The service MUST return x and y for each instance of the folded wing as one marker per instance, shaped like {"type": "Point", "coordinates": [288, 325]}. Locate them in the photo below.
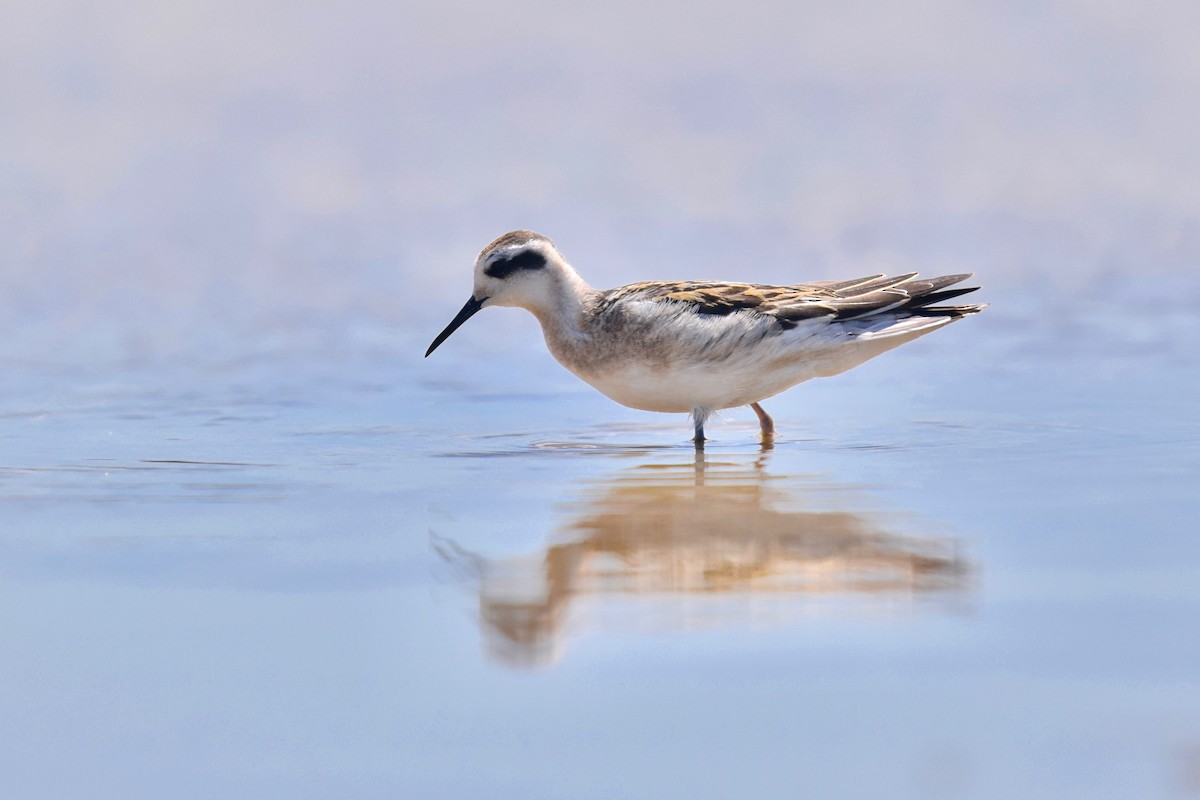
{"type": "Point", "coordinates": [898, 297]}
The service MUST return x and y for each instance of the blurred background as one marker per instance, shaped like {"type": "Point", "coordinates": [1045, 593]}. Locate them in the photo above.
{"type": "Point", "coordinates": [253, 545]}
{"type": "Point", "coordinates": [188, 178]}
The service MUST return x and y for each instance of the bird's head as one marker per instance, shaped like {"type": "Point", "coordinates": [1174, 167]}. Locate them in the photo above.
{"type": "Point", "coordinates": [521, 268]}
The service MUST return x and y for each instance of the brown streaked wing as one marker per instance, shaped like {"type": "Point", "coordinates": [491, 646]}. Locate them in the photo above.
{"type": "Point", "coordinates": [790, 304]}
{"type": "Point", "coordinates": [720, 298]}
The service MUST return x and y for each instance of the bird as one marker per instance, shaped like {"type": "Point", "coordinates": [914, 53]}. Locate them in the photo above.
{"type": "Point", "coordinates": [699, 346]}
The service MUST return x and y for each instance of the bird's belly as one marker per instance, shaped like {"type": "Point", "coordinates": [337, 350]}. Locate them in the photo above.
{"type": "Point", "coordinates": [675, 388]}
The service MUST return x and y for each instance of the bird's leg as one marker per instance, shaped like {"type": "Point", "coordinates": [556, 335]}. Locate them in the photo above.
{"type": "Point", "coordinates": [699, 415]}
{"type": "Point", "coordinates": [765, 422]}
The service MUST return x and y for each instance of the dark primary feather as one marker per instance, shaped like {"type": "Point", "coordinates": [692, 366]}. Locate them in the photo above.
{"type": "Point", "coordinates": [789, 305]}
{"type": "Point", "coordinates": [836, 285]}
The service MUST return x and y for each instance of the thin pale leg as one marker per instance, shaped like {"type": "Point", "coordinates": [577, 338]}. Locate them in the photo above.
{"type": "Point", "coordinates": [765, 422]}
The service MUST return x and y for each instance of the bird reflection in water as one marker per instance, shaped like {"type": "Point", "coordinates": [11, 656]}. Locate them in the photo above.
{"type": "Point", "coordinates": [702, 529]}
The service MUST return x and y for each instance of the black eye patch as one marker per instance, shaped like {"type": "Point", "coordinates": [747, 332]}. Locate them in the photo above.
{"type": "Point", "coordinates": [526, 259]}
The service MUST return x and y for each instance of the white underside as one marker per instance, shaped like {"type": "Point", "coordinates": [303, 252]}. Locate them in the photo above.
{"type": "Point", "coordinates": [815, 349]}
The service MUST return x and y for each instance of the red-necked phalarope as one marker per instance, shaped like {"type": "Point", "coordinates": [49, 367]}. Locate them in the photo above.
{"type": "Point", "coordinates": [700, 346]}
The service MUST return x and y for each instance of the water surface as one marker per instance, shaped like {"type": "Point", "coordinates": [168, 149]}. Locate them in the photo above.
{"type": "Point", "coordinates": [963, 570]}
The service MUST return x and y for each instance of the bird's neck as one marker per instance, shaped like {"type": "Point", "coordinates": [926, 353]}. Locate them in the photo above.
{"type": "Point", "coordinates": [563, 312]}
{"type": "Point", "coordinates": [564, 301]}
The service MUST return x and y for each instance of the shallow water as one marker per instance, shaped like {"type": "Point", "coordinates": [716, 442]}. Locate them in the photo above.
{"type": "Point", "coordinates": [965, 569]}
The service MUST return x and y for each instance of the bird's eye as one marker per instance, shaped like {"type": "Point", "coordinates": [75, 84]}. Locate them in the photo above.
{"type": "Point", "coordinates": [526, 259]}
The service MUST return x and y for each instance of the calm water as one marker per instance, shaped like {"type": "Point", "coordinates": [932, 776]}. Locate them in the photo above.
{"type": "Point", "coordinates": [252, 545]}
{"type": "Point", "coordinates": [967, 569]}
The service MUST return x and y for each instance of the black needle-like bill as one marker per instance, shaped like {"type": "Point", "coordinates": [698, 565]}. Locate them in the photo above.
{"type": "Point", "coordinates": [468, 311]}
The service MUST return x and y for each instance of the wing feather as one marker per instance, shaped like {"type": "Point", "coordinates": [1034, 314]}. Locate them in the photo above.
{"type": "Point", "coordinates": [790, 305]}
